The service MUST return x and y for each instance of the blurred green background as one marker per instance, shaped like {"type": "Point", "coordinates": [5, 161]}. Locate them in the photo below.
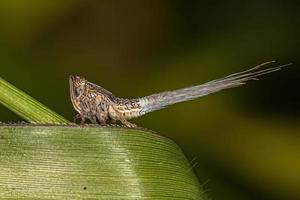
{"type": "Point", "coordinates": [244, 143]}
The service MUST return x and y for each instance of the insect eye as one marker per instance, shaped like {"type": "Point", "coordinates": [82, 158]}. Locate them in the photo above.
{"type": "Point", "coordinates": [79, 91]}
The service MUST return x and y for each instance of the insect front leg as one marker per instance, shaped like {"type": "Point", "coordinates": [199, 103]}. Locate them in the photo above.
{"type": "Point", "coordinates": [82, 118]}
{"type": "Point", "coordinates": [93, 119]}
{"type": "Point", "coordinates": [79, 117]}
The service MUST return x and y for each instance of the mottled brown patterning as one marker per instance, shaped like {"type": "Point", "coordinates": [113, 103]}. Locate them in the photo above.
{"type": "Point", "coordinates": [100, 106]}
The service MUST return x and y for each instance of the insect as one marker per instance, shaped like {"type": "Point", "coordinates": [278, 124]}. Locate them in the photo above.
{"type": "Point", "coordinates": [100, 106]}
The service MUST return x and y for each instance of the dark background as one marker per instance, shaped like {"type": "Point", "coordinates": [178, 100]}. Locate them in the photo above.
{"type": "Point", "coordinates": [244, 143]}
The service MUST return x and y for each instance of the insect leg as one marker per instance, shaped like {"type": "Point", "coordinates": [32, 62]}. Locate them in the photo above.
{"type": "Point", "coordinates": [127, 123]}
{"type": "Point", "coordinates": [81, 117]}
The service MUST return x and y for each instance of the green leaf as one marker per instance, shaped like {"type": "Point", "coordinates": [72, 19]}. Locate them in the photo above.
{"type": "Point", "coordinates": [27, 107]}
{"type": "Point", "coordinates": [65, 162]}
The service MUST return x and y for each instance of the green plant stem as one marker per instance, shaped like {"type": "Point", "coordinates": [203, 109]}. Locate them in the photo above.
{"type": "Point", "coordinates": [26, 107]}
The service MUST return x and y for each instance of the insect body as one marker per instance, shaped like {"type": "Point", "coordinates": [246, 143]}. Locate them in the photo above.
{"type": "Point", "coordinates": [100, 106]}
